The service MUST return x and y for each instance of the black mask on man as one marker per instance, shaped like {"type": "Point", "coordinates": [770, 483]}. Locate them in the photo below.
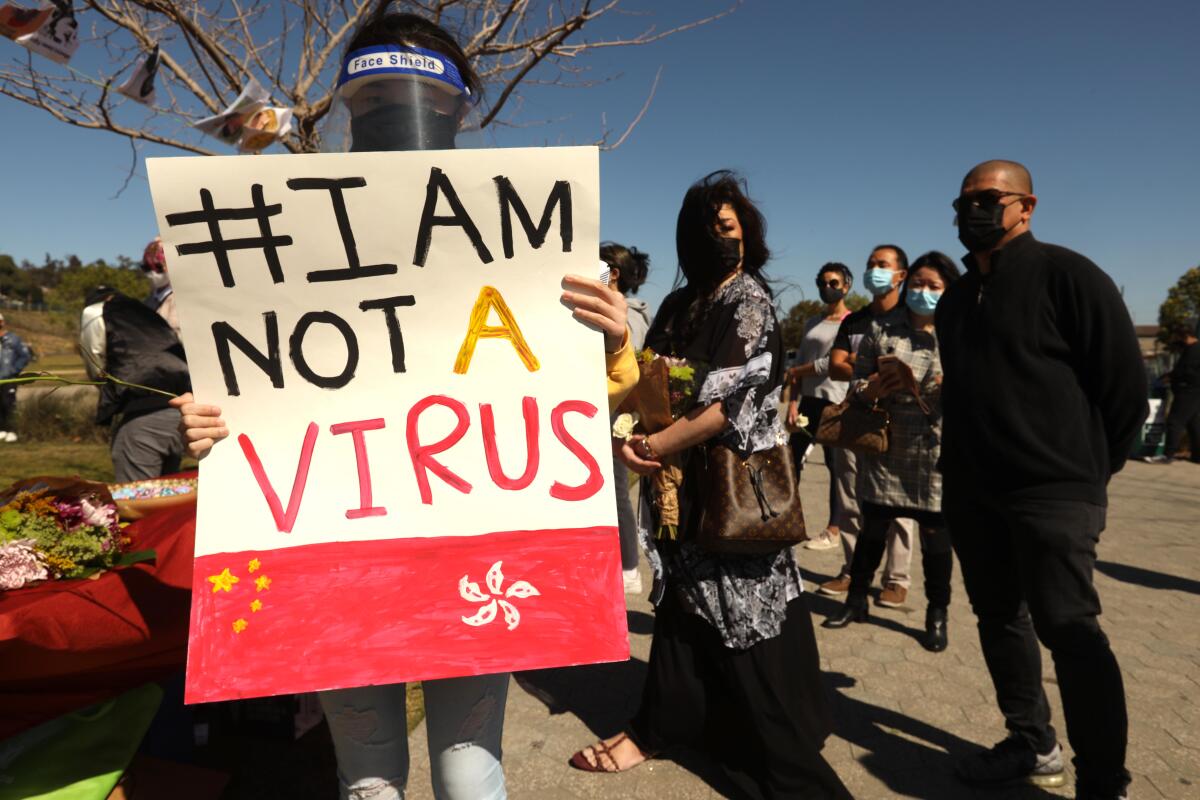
{"type": "Point", "coordinates": [829, 295]}
{"type": "Point", "coordinates": [979, 229]}
{"type": "Point", "coordinates": [401, 127]}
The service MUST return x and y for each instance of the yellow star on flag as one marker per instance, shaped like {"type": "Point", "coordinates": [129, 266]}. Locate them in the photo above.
{"type": "Point", "coordinates": [254, 565]}
{"type": "Point", "coordinates": [239, 625]}
{"type": "Point", "coordinates": [256, 606]}
{"type": "Point", "coordinates": [224, 581]}
{"type": "Point", "coordinates": [261, 582]}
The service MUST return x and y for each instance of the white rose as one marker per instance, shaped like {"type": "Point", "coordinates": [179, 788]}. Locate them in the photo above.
{"type": "Point", "coordinates": [623, 426]}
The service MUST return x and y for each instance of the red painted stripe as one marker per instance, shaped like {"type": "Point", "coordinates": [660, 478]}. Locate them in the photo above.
{"type": "Point", "coordinates": [358, 613]}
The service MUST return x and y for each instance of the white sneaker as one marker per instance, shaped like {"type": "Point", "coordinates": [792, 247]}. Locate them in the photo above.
{"type": "Point", "coordinates": [827, 540]}
{"type": "Point", "coordinates": [8, 436]}
{"type": "Point", "coordinates": [633, 581]}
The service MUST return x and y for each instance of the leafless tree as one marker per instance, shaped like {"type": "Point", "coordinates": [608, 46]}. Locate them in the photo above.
{"type": "Point", "coordinates": [211, 49]}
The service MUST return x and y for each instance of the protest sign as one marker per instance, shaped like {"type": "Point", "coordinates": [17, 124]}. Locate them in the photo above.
{"type": "Point", "coordinates": [417, 483]}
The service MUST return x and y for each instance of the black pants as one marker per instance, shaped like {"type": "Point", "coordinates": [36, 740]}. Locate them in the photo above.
{"type": "Point", "coordinates": [1027, 565]}
{"type": "Point", "coordinates": [760, 712]}
{"type": "Point", "coordinates": [8, 408]}
{"type": "Point", "coordinates": [1185, 413]}
{"type": "Point", "coordinates": [835, 503]}
{"type": "Point", "coordinates": [937, 556]}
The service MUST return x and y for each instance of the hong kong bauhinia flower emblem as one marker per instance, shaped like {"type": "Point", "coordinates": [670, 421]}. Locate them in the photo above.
{"type": "Point", "coordinates": [495, 600]}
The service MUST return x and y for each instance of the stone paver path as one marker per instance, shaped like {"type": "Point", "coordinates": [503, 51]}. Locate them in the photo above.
{"type": "Point", "coordinates": [903, 714]}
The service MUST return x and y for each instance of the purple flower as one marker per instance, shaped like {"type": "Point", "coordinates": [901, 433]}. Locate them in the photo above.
{"type": "Point", "coordinates": [19, 564]}
{"type": "Point", "coordinates": [103, 515]}
{"type": "Point", "coordinates": [70, 514]}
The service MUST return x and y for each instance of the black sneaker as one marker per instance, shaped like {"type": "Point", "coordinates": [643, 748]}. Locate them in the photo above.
{"type": "Point", "coordinates": [1013, 761]}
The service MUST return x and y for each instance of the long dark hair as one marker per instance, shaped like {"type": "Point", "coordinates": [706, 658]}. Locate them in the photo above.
{"type": "Point", "coordinates": [383, 26]}
{"type": "Point", "coordinates": [939, 262]}
{"type": "Point", "coordinates": [696, 238]}
{"type": "Point", "coordinates": [633, 264]}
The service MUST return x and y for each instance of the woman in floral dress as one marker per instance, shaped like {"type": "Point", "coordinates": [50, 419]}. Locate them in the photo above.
{"type": "Point", "coordinates": [733, 667]}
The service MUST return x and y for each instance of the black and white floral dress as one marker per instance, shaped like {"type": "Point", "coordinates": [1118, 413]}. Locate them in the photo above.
{"type": "Point", "coordinates": [734, 336]}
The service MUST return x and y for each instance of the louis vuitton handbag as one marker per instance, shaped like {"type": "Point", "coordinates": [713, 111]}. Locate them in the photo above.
{"type": "Point", "coordinates": [749, 505]}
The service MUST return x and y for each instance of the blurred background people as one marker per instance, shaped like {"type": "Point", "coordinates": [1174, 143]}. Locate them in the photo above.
{"type": "Point", "coordinates": [627, 270]}
{"type": "Point", "coordinates": [810, 379]}
{"type": "Point", "coordinates": [14, 356]}
{"type": "Point", "coordinates": [127, 340]}
{"type": "Point", "coordinates": [904, 481]}
{"type": "Point", "coordinates": [1184, 414]}
{"type": "Point", "coordinates": [161, 299]}
{"type": "Point", "coordinates": [887, 267]}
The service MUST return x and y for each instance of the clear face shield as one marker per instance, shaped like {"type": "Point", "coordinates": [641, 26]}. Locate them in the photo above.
{"type": "Point", "coordinates": [393, 97]}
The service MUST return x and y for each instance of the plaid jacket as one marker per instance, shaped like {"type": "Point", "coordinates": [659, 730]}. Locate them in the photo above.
{"type": "Point", "coordinates": [906, 476]}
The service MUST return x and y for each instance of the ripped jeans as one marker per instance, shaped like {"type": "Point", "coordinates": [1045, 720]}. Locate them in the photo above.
{"type": "Point", "coordinates": [464, 720]}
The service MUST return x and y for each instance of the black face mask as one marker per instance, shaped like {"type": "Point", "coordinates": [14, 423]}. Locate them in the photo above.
{"type": "Point", "coordinates": [979, 229]}
{"type": "Point", "coordinates": [400, 127]}
{"type": "Point", "coordinates": [728, 254]}
{"type": "Point", "coordinates": [829, 295]}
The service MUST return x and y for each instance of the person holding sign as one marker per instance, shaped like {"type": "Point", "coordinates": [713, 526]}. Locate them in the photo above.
{"type": "Point", "coordinates": [898, 364]}
{"type": "Point", "coordinates": [406, 85]}
{"type": "Point", "coordinates": [734, 661]}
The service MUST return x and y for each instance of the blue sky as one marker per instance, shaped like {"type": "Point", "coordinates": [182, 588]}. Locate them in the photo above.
{"type": "Point", "coordinates": [853, 120]}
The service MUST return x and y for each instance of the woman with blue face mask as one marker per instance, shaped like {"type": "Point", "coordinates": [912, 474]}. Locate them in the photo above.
{"type": "Point", "coordinates": [405, 84]}
{"type": "Point", "coordinates": [898, 369]}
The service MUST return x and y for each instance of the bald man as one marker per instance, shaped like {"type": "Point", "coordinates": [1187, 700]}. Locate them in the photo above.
{"type": "Point", "coordinates": [1043, 395]}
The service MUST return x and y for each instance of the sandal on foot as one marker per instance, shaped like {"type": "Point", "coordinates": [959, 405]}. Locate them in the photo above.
{"type": "Point", "coordinates": [601, 751]}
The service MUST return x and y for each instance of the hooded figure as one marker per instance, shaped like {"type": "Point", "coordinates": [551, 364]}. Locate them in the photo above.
{"type": "Point", "coordinates": [127, 340]}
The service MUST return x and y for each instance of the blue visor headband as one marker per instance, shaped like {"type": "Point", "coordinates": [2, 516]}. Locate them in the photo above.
{"type": "Point", "coordinates": [388, 60]}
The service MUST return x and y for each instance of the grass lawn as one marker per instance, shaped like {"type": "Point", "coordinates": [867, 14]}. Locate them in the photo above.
{"type": "Point", "coordinates": [27, 459]}
{"type": "Point", "coordinates": [86, 459]}
{"type": "Point", "coordinates": [68, 365]}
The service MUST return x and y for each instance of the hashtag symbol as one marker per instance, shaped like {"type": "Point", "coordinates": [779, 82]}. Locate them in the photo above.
{"type": "Point", "coordinates": [219, 246]}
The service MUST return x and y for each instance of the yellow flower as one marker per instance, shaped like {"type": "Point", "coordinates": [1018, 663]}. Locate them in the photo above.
{"type": "Point", "coordinates": [224, 581]}
{"type": "Point", "coordinates": [240, 625]}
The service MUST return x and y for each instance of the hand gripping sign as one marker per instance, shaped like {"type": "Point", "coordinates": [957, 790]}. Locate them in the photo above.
{"type": "Point", "coordinates": [417, 482]}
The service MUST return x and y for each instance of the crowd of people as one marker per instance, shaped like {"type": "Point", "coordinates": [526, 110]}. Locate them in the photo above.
{"type": "Point", "coordinates": [978, 464]}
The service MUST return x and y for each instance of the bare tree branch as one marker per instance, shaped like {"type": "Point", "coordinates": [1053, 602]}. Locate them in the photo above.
{"type": "Point", "coordinates": [634, 122]}
{"type": "Point", "coordinates": [210, 49]}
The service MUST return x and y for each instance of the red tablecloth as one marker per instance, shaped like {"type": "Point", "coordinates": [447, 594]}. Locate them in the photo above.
{"type": "Point", "coordinates": [65, 645]}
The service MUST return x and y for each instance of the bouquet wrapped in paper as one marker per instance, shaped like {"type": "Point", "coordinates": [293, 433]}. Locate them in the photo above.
{"type": "Point", "coordinates": [59, 528]}
{"type": "Point", "coordinates": [665, 391]}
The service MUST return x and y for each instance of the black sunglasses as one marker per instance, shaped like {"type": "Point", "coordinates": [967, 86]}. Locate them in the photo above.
{"type": "Point", "coordinates": [832, 284]}
{"type": "Point", "coordinates": [987, 199]}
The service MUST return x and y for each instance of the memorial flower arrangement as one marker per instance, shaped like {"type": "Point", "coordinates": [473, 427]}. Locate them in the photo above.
{"type": "Point", "coordinates": [54, 528]}
{"type": "Point", "coordinates": [666, 391]}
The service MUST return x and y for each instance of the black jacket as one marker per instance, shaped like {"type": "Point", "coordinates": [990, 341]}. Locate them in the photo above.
{"type": "Point", "coordinates": [1044, 389]}
{"type": "Point", "coordinates": [1185, 377]}
{"type": "Point", "coordinates": [140, 348]}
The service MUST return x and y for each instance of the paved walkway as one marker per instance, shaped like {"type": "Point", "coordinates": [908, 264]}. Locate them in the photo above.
{"type": "Point", "coordinates": [904, 714]}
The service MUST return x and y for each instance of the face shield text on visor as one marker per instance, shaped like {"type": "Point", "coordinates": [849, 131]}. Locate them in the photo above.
{"type": "Point", "coordinates": [391, 97]}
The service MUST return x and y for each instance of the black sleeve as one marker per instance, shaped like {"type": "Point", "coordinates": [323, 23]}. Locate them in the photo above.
{"type": "Point", "coordinates": [841, 341]}
{"type": "Point", "coordinates": [1096, 324]}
